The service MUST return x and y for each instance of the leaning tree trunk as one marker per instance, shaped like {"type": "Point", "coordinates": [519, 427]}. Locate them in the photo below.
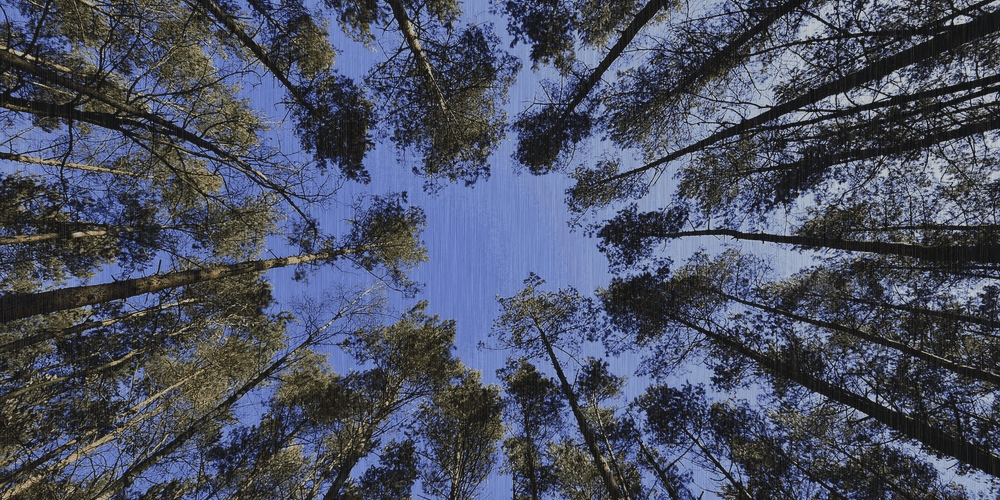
{"type": "Point", "coordinates": [581, 420]}
{"type": "Point", "coordinates": [137, 469]}
{"type": "Point", "coordinates": [36, 473]}
{"type": "Point", "coordinates": [82, 327]}
{"type": "Point", "coordinates": [417, 51]}
{"type": "Point", "coordinates": [641, 19]}
{"type": "Point", "coordinates": [953, 255]}
{"type": "Point", "coordinates": [19, 306]}
{"type": "Point", "coordinates": [915, 429]}
{"type": "Point", "coordinates": [233, 26]}
{"type": "Point", "coordinates": [943, 363]}
{"type": "Point", "coordinates": [935, 313]}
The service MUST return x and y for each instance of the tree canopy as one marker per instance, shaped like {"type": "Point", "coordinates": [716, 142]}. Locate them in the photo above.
{"type": "Point", "coordinates": [798, 201]}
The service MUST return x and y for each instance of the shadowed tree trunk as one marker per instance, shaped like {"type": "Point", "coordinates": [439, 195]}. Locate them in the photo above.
{"type": "Point", "coordinates": [588, 434]}
{"type": "Point", "coordinates": [910, 427]}
{"type": "Point", "coordinates": [19, 306]}
{"type": "Point", "coordinates": [946, 254]}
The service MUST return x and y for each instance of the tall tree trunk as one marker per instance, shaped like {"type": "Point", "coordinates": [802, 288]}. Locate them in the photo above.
{"type": "Point", "coordinates": [532, 466]}
{"type": "Point", "coordinates": [946, 364]}
{"type": "Point", "coordinates": [58, 163]}
{"type": "Point", "coordinates": [84, 373]}
{"type": "Point", "coordinates": [742, 490]}
{"type": "Point", "coordinates": [732, 51]}
{"type": "Point", "coordinates": [18, 306]}
{"type": "Point", "coordinates": [643, 17]}
{"type": "Point", "coordinates": [934, 313]}
{"type": "Point", "coordinates": [233, 26]}
{"type": "Point", "coordinates": [409, 33]}
{"type": "Point", "coordinates": [588, 436]}
{"type": "Point", "coordinates": [122, 121]}
{"type": "Point", "coordinates": [345, 468]}
{"type": "Point", "coordinates": [36, 474]}
{"type": "Point", "coordinates": [660, 473]}
{"type": "Point", "coordinates": [37, 238]}
{"type": "Point", "coordinates": [915, 429]}
{"type": "Point", "coordinates": [950, 254]}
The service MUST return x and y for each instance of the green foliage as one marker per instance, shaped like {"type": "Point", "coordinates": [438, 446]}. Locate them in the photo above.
{"type": "Point", "coordinates": [625, 239]}
{"type": "Point", "coordinates": [393, 478]}
{"type": "Point", "coordinates": [547, 25]}
{"type": "Point", "coordinates": [334, 122]}
{"type": "Point", "coordinates": [30, 206]}
{"type": "Point", "coordinates": [386, 233]}
{"type": "Point", "coordinates": [454, 124]}
{"type": "Point", "coordinates": [553, 28]}
{"type": "Point", "coordinates": [460, 428]}
{"type": "Point", "coordinates": [565, 317]}
{"type": "Point", "coordinates": [532, 408]}
{"type": "Point", "coordinates": [545, 137]}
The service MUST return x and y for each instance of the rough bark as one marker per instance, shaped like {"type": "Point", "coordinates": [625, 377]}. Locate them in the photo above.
{"type": "Point", "coordinates": [588, 436]}
{"type": "Point", "coordinates": [19, 306]}
{"type": "Point", "coordinates": [918, 430]}
{"type": "Point", "coordinates": [951, 255]}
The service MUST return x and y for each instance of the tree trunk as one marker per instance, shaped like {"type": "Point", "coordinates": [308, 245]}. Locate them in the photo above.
{"type": "Point", "coordinates": [660, 473]}
{"type": "Point", "coordinates": [234, 28]}
{"type": "Point", "coordinates": [727, 56]}
{"type": "Point", "coordinates": [952, 316]}
{"type": "Point", "coordinates": [82, 327]}
{"type": "Point", "coordinates": [137, 469]}
{"type": "Point", "coordinates": [946, 364]}
{"type": "Point", "coordinates": [345, 468]}
{"type": "Point", "coordinates": [59, 163]}
{"type": "Point", "coordinates": [588, 436]}
{"type": "Point", "coordinates": [84, 373]}
{"type": "Point", "coordinates": [36, 475]}
{"type": "Point", "coordinates": [55, 75]}
{"type": "Point", "coordinates": [951, 255]}
{"type": "Point", "coordinates": [643, 17]}
{"type": "Point", "coordinates": [744, 494]}
{"type": "Point", "coordinates": [912, 428]}
{"type": "Point", "coordinates": [532, 467]}
{"type": "Point", "coordinates": [19, 306]}
{"type": "Point", "coordinates": [409, 33]}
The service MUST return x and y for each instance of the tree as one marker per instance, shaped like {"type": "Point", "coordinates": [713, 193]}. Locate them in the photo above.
{"type": "Point", "coordinates": [442, 90]}
{"type": "Point", "coordinates": [386, 235]}
{"type": "Point", "coordinates": [460, 429]}
{"type": "Point", "coordinates": [534, 322]}
{"type": "Point", "coordinates": [96, 405]}
{"type": "Point", "coordinates": [798, 450]}
{"type": "Point", "coordinates": [646, 307]}
{"type": "Point", "coordinates": [394, 479]}
{"type": "Point", "coordinates": [545, 134]}
{"type": "Point", "coordinates": [532, 406]}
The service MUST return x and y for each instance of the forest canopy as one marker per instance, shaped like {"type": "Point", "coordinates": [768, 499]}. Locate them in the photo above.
{"type": "Point", "coordinates": [832, 336]}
